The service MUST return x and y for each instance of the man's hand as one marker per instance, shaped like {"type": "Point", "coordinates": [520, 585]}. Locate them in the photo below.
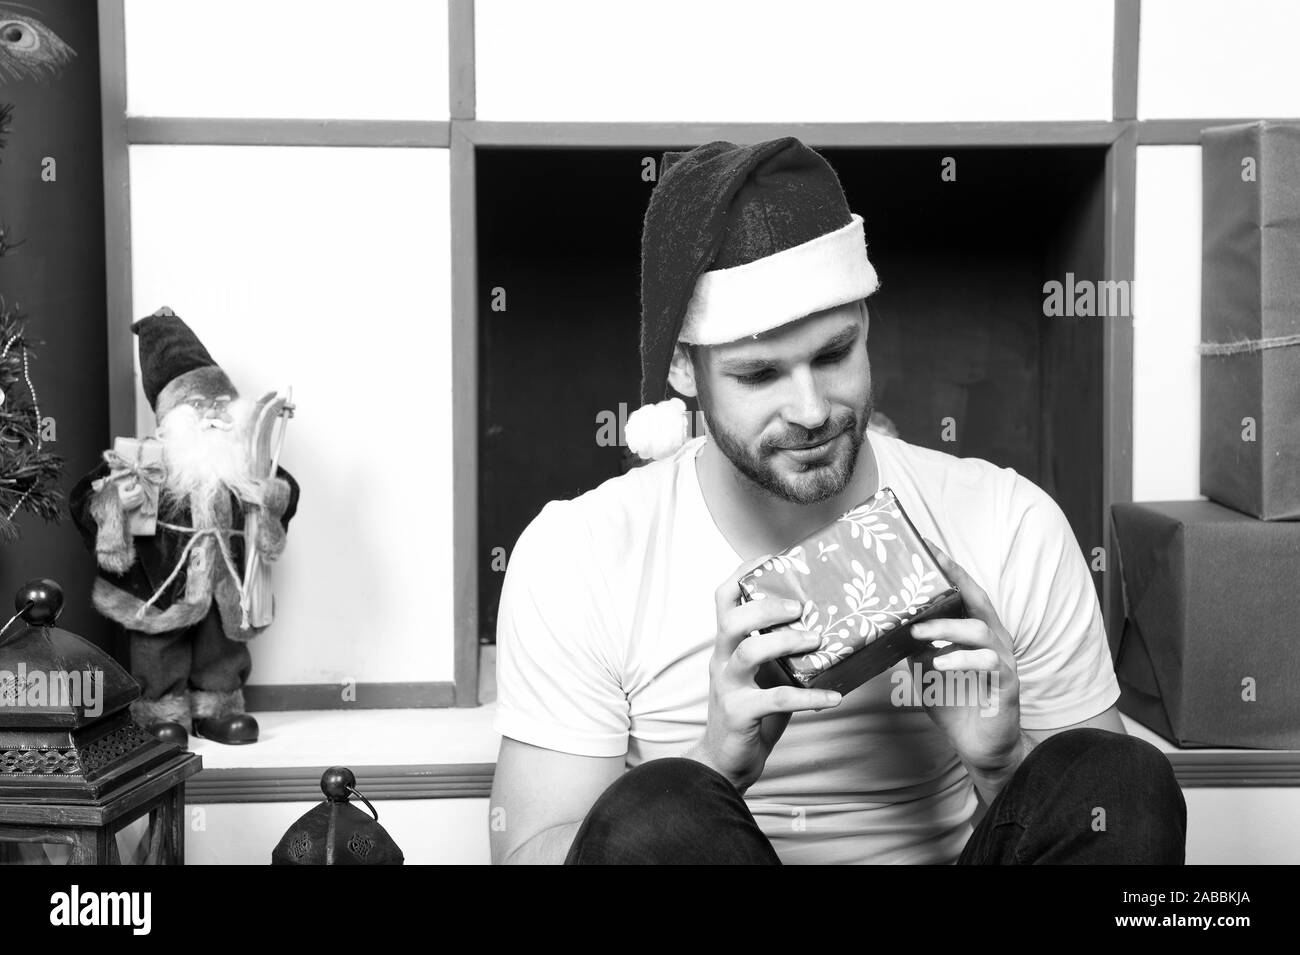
{"type": "Point", "coordinates": [745, 721]}
{"type": "Point", "coordinates": [985, 729]}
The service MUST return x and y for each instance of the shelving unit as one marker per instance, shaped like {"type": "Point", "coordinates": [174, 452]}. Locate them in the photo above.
{"type": "Point", "coordinates": [1083, 218]}
{"type": "Point", "coordinates": [1038, 199]}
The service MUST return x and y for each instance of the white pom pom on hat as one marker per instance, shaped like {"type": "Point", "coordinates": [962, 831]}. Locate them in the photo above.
{"type": "Point", "coordinates": [657, 430]}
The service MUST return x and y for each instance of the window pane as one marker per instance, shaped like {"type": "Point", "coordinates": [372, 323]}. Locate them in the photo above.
{"type": "Point", "coordinates": [317, 59]}
{"type": "Point", "coordinates": [1207, 58]}
{"type": "Point", "coordinates": [328, 270]}
{"type": "Point", "coordinates": [1167, 325]}
{"type": "Point", "coordinates": [818, 60]}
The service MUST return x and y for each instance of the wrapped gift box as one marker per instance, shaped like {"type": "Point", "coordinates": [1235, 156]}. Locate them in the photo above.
{"type": "Point", "coordinates": [1250, 292]}
{"type": "Point", "coordinates": [863, 581]}
{"type": "Point", "coordinates": [137, 488]}
{"type": "Point", "coordinates": [1209, 654]}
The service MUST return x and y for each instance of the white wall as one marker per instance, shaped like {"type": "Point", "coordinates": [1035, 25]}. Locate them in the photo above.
{"type": "Point", "coordinates": [1250, 825]}
{"type": "Point", "coordinates": [818, 60]}
{"type": "Point", "coordinates": [329, 270]}
{"type": "Point", "coordinates": [1167, 324]}
{"type": "Point", "coordinates": [306, 59]}
{"type": "Point", "coordinates": [428, 831]}
{"type": "Point", "coordinates": [1236, 826]}
{"type": "Point", "coordinates": [1219, 58]}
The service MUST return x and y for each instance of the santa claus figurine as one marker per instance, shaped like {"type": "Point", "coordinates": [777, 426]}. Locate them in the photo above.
{"type": "Point", "coordinates": [177, 583]}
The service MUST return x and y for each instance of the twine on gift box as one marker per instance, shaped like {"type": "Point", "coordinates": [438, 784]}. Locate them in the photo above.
{"type": "Point", "coordinates": [133, 474]}
{"type": "Point", "coordinates": [1249, 346]}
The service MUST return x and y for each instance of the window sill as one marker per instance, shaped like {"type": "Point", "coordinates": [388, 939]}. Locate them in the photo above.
{"type": "Point", "coordinates": [1224, 767]}
{"type": "Point", "coordinates": [396, 754]}
{"type": "Point", "coordinates": [451, 754]}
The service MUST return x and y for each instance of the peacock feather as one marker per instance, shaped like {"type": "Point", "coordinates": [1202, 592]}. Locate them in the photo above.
{"type": "Point", "coordinates": [28, 48]}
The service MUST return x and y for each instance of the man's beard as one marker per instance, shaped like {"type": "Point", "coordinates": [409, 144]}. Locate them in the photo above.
{"type": "Point", "coordinates": [206, 459]}
{"type": "Point", "coordinates": [799, 483]}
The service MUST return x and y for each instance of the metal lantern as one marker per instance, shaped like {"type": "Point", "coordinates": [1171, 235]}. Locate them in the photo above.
{"type": "Point", "coordinates": [66, 734]}
{"type": "Point", "coordinates": [337, 832]}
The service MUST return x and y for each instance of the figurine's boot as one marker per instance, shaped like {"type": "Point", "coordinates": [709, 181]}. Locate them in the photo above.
{"type": "Point", "coordinates": [170, 732]}
{"type": "Point", "coordinates": [234, 730]}
{"type": "Point", "coordinates": [220, 716]}
{"type": "Point", "coordinates": [167, 717]}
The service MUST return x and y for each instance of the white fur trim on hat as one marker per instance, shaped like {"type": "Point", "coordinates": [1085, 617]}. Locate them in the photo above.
{"type": "Point", "coordinates": [730, 304]}
{"type": "Point", "coordinates": [656, 431]}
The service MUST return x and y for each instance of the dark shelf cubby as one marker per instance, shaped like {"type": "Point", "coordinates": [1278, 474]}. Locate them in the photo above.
{"type": "Point", "coordinates": [958, 329]}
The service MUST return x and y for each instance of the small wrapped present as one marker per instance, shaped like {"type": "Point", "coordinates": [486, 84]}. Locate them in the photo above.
{"type": "Point", "coordinates": [136, 469]}
{"type": "Point", "coordinates": [863, 581]}
{"type": "Point", "coordinates": [1208, 655]}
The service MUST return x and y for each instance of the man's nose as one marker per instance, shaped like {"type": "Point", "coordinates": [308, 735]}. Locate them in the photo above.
{"type": "Point", "coordinates": [807, 406]}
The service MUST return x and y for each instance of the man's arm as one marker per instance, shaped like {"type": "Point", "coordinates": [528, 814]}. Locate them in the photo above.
{"type": "Point", "coordinates": [539, 799]}
{"type": "Point", "coordinates": [1108, 719]}
{"type": "Point", "coordinates": [990, 737]}
{"type": "Point", "coordinates": [1063, 665]}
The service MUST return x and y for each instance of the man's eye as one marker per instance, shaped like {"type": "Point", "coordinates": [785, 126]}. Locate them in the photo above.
{"type": "Point", "coordinates": [755, 378]}
{"type": "Point", "coordinates": [831, 358]}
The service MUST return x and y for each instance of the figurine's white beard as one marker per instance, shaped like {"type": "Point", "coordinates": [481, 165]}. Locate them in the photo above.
{"type": "Point", "coordinates": [206, 458]}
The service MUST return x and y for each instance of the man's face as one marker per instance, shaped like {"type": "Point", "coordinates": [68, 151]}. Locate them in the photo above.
{"type": "Point", "coordinates": [789, 408]}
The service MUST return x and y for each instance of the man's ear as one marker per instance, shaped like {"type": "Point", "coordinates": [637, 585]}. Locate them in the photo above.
{"type": "Point", "coordinates": [681, 373]}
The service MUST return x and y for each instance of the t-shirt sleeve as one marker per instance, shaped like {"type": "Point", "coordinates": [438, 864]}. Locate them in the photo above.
{"type": "Point", "coordinates": [1050, 607]}
{"type": "Point", "coordinates": [559, 685]}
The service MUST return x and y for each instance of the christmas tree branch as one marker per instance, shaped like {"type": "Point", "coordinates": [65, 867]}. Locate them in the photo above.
{"type": "Point", "coordinates": [29, 474]}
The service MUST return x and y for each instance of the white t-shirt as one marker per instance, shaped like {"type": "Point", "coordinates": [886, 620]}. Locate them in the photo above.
{"type": "Point", "coordinates": [607, 621]}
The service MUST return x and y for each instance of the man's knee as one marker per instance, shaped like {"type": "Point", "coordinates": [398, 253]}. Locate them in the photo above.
{"type": "Point", "coordinates": [1105, 754]}
{"type": "Point", "coordinates": [1126, 783]}
{"type": "Point", "coordinates": [669, 810]}
{"type": "Point", "coordinates": [662, 790]}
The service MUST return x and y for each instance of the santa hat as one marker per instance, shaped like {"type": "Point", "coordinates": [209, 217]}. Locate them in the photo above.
{"type": "Point", "coordinates": [169, 349]}
{"type": "Point", "coordinates": [738, 240]}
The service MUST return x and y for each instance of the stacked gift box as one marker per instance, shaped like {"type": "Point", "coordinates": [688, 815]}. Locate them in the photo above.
{"type": "Point", "coordinates": [1210, 650]}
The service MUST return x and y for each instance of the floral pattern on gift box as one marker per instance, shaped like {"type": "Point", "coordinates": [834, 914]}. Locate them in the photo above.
{"type": "Point", "coordinates": [866, 523]}
{"type": "Point", "coordinates": [865, 613]}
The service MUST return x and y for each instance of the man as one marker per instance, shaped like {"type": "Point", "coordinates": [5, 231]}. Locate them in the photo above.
{"type": "Point", "coordinates": [178, 591]}
{"type": "Point", "coordinates": [633, 727]}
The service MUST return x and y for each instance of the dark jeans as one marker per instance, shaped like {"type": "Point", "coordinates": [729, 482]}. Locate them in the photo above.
{"type": "Point", "coordinates": [678, 811]}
